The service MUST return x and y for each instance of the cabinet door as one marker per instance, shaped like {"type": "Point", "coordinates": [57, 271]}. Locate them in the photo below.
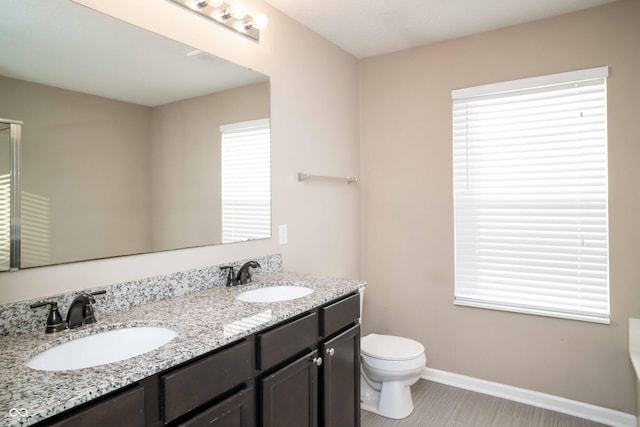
{"type": "Point", "coordinates": [341, 380]}
{"type": "Point", "coordinates": [289, 396]}
{"type": "Point", "coordinates": [235, 411]}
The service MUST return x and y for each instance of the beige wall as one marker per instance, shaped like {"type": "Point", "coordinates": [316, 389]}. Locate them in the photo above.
{"type": "Point", "coordinates": [406, 161]}
{"type": "Point", "coordinates": [186, 182]}
{"type": "Point", "coordinates": [314, 127]}
{"type": "Point", "coordinates": [70, 144]}
{"type": "Point", "coordinates": [406, 203]}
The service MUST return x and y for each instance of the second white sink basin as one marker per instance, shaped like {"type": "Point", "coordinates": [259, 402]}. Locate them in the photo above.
{"type": "Point", "coordinates": [274, 293]}
{"type": "Point", "coordinates": [101, 348]}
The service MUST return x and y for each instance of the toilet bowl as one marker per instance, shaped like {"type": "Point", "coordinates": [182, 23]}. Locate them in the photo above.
{"type": "Point", "coordinates": [390, 366]}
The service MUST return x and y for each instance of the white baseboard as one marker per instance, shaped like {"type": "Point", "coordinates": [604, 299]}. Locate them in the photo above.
{"type": "Point", "coordinates": [529, 397]}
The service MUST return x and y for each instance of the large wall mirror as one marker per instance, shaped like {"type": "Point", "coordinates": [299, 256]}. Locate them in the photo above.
{"type": "Point", "coordinates": [130, 142]}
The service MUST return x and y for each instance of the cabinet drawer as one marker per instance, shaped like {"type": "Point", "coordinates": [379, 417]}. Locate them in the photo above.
{"type": "Point", "coordinates": [287, 340]}
{"type": "Point", "coordinates": [189, 387]}
{"type": "Point", "coordinates": [340, 314]}
{"type": "Point", "coordinates": [125, 409]}
{"type": "Point", "coordinates": [235, 411]}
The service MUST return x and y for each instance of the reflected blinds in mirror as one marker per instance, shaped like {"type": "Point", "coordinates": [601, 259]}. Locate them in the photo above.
{"type": "Point", "coordinates": [246, 172]}
{"type": "Point", "coordinates": [36, 233]}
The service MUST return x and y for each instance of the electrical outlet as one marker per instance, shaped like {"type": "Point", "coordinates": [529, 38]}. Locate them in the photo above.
{"type": "Point", "coordinates": [282, 232]}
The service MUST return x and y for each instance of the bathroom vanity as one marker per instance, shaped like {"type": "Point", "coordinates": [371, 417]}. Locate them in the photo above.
{"type": "Point", "coordinates": [233, 363]}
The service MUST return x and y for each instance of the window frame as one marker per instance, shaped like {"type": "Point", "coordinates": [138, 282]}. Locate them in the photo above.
{"type": "Point", "coordinates": [462, 295]}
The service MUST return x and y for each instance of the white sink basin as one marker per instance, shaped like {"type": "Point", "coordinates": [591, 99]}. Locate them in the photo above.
{"type": "Point", "coordinates": [101, 348]}
{"type": "Point", "coordinates": [274, 293]}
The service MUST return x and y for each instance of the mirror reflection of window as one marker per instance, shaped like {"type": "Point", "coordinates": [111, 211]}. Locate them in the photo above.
{"type": "Point", "coordinates": [246, 171]}
{"type": "Point", "coordinates": [36, 234]}
{"type": "Point", "coordinates": [5, 196]}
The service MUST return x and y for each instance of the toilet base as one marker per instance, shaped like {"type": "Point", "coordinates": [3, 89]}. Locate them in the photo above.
{"type": "Point", "coordinates": [392, 401]}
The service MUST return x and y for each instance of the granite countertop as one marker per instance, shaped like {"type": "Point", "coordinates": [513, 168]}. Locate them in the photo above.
{"type": "Point", "coordinates": [205, 321]}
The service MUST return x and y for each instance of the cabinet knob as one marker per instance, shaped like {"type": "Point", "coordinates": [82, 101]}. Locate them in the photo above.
{"type": "Point", "coordinates": [331, 351]}
{"type": "Point", "coordinates": [317, 361]}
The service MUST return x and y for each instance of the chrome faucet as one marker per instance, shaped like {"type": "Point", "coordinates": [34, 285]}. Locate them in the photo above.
{"type": "Point", "coordinates": [81, 312]}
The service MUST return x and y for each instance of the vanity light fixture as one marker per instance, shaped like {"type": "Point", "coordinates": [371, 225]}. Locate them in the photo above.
{"type": "Point", "coordinates": [233, 16]}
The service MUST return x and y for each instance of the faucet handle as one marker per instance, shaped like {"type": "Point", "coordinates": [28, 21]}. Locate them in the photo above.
{"type": "Point", "coordinates": [230, 276]}
{"type": "Point", "coordinates": [54, 320]}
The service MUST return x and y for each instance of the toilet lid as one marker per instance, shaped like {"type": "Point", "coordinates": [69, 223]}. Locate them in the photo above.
{"type": "Point", "coordinates": [388, 347]}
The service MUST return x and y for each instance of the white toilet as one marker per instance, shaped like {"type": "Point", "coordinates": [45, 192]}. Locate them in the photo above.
{"type": "Point", "coordinates": [390, 366]}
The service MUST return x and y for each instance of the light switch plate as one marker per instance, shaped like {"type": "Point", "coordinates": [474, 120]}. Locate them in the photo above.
{"type": "Point", "coordinates": [282, 233]}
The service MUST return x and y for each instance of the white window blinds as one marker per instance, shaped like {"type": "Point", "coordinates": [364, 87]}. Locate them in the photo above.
{"type": "Point", "coordinates": [246, 181]}
{"type": "Point", "coordinates": [530, 194]}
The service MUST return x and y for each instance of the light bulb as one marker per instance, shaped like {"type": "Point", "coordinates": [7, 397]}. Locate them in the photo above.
{"type": "Point", "coordinates": [197, 4]}
{"type": "Point", "coordinates": [239, 26]}
{"type": "Point", "coordinates": [238, 10]}
{"type": "Point", "coordinates": [217, 14]}
{"type": "Point", "coordinates": [260, 21]}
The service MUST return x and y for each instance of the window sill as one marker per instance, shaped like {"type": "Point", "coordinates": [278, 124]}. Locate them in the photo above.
{"type": "Point", "coordinates": [534, 311]}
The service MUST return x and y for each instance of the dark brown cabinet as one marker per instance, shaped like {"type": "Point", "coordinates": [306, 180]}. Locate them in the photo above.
{"type": "Point", "coordinates": [124, 409]}
{"type": "Point", "coordinates": [335, 316]}
{"type": "Point", "coordinates": [289, 395]}
{"type": "Point", "coordinates": [235, 411]}
{"type": "Point", "coordinates": [303, 372]}
{"type": "Point", "coordinates": [285, 341]}
{"type": "Point", "coordinates": [321, 388]}
{"type": "Point", "coordinates": [191, 386]}
{"type": "Point", "coordinates": [340, 379]}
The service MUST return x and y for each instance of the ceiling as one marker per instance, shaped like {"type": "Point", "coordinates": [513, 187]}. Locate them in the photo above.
{"type": "Point", "coordinates": [60, 43]}
{"type": "Point", "coordinates": [373, 27]}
